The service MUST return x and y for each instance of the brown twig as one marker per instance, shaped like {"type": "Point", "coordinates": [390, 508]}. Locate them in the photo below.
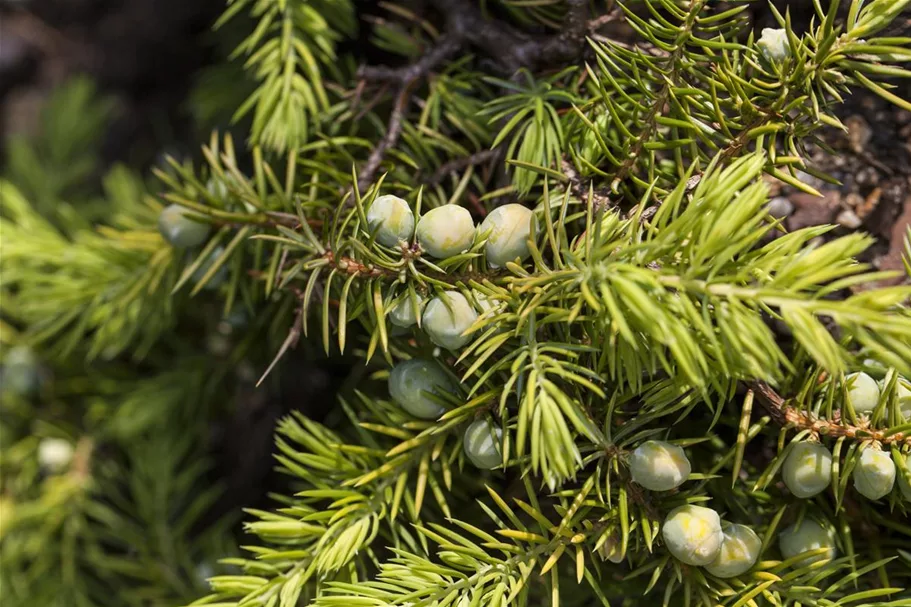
{"type": "Point", "coordinates": [787, 416]}
{"type": "Point", "coordinates": [353, 266]}
{"type": "Point", "coordinates": [446, 46]}
{"type": "Point", "coordinates": [393, 131]}
{"type": "Point", "coordinates": [465, 24]}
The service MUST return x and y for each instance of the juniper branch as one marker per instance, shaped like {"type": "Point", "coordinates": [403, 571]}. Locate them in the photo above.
{"type": "Point", "coordinates": [788, 416]}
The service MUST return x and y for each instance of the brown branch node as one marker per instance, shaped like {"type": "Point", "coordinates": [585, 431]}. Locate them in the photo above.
{"type": "Point", "coordinates": [787, 416]}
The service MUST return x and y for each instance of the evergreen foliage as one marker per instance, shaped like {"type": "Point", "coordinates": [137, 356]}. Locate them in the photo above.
{"type": "Point", "coordinates": [655, 299]}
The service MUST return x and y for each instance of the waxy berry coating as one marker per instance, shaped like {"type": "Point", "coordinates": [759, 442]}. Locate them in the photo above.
{"type": "Point", "coordinates": [693, 534]}
{"type": "Point", "coordinates": [391, 219]}
{"type": "Point", "coordinates": [807, 471]}
{"type": "Point", "coordinates": [482, 444]}
{"type": "Point", "coordinates": [659, 466]}
{"type": "Point", "coordinates": [446, 318]}
{"type": "Point", "coordinates": [411, 384]}
{"type": "Point", "coordinates": [446, 231]}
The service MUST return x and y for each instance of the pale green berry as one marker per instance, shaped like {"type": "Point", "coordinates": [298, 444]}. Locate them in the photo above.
{"type": "Point", "coordinates": [659, 466]}
{"type": "Point", "coordinates": [904, 485]}
{"type": "Point", "coordinates": [693, 534]}
{"type": "Point", "coordinates": [447, 317]}
{"type": "Point", "coordinates": [21, 371]}
{"type": "Point", "coordinates": [55, 454]}
{"type": "Point", "coordinates": [874, 474]}
{"type": "Point", "coordinates": [403, 312]}
{"type": "Point", "coordinates": [179, 229]}
{"type": "Point", "coordinates": [411, 384]}
{"type": "Point", "coordinates": [446, 231]}
{"type": "Point", "coordinates": [807, 470]}
{"type": "Point", "coordinates": [391, 219]}
{"type": "Point", "coordinates": [863, 392]}
{"type": "Point", "coordinates": [774, 45]}
{"type": "Point", "coordinates": [808, 535]}
{"type": "Point", "coordinates": [507, 229]}
{"type": "Point", "coordinates": [482, 444]}
{"type": "Point", "coordinates": [739, 551]}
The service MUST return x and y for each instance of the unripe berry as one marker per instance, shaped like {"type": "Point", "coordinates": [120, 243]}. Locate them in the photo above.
{"type": "Point", "coordinates": [179, 229]}
{"type": "Point", "coordinates": [508, 229]}
{"type": "Point", "coordinates": [863, 392]}
{"type": "Point", "coordinates": [808, 535]}
{"type": "Point", "coordinates": [774, 45]}
{"type": "Point", "coordinates": [447, 317]}
{"type": "Point", "coordinates": [446, 231]}
{"type": "Point", "coordinates": [411, 384]}
{"type": "Point", "coordinates": [807, 471]}
{"type": "Point", "coordinates": [402, 313]}
{"type": "Point", "coordinates": [482, 444]}
{"type": "Point", "coordinates": [739, 551]}
{"type": "Point", "coordinates": [904, 485]}
{"type": "Point", "coordinates": [693, 534]}
{"type": "Point", "coordinates": [659, 466]}
{"type": "Point", "coordinates": [54, 454]}
{"type": "Point", "coordinates": [874, 474]}
{"type": "Point", "coordinates": [391, 219]}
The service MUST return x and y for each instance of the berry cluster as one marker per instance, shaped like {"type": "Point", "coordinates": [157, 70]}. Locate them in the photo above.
{"type": "Point", "coordinates": [449, 230]}
{"type": "Point", "coordinates": [417, 385]}
{"type": "Point", "coordinates": [445, 232]}
{"type": "Point", "coordinates": [807, 469]}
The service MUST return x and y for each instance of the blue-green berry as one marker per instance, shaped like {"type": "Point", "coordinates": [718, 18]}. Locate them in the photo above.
{"type": "Point", "coordinates": [807, 535]}
{"type": "Point", "coordinates": [411, 384]}
{"type": "Point", "coordinates": [807, 471]}
{"type": "Point", "coordinates": [447, 317]}
{"type": "Point", "coordinates": [739, 551]}
{"type": "Point", "coordinates": [403, 314]}
{"type": "Point", "coordinates": [180, 229]}
{"type": "Point", "coordinates": [863, 392]}
{"type": "Point", "coordinates": [874, 473]}
{"type": "Point", "coordinates": [508, 229]}
{"type": "Point", "coordinates": [391, 219]}
{"type": "Point", "coordinates": [659, 466]}
{"type": "Point", "coordinates": [55, 454]}
{"type": "Point", "coordinates": [482, 444]}
{"type": "Point", "coordinates": [693, 534]}
{"type": "Point", "coordinates": [446, 231]}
